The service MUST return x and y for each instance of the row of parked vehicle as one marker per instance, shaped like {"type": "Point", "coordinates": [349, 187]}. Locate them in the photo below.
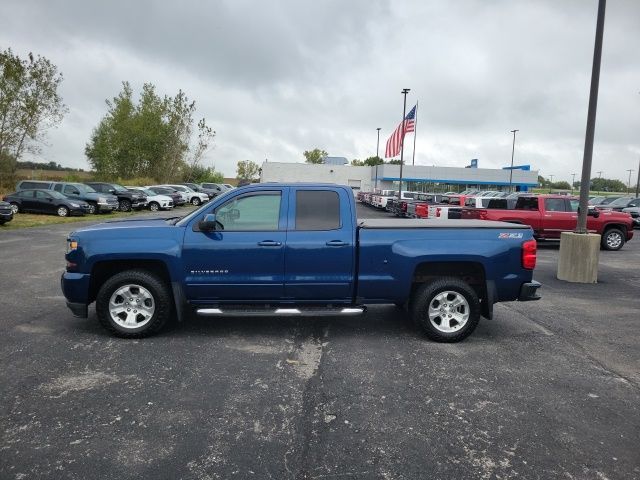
{"type": "Point", "coordinates": [547, 215]}
{"type": "Point", "coordinates": [73, 198]}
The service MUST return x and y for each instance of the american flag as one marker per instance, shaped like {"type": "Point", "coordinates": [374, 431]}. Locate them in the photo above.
{"type": "Point", "coordinates": [395, 140]}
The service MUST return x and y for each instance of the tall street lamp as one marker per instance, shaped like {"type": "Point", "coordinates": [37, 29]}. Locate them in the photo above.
{"type": "Point", "coordinates": [629, 182]}
{"type": "Point", "coordinates": [573, 181]}
{"type": "Point", "coordinates": [599, 176]}
{"type": "Point", "coordinates": [550, 183]}
{"type": "Point", "coordinates": [377, 157]}
{"type": "Point", "coordinates": [513, 149]}
{"type": "Point", "coordinates": [404, 112]}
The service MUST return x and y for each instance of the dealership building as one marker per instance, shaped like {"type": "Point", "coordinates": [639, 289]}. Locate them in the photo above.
{"type": "Point", "coordinates": [414, 177]}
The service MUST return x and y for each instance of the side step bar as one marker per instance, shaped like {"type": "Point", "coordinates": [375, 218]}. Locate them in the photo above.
{"type": "Point", "coordinates": [274, 312]}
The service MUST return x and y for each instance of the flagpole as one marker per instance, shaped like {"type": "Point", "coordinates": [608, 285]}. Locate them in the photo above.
{"type": "Point", "coordinates": [404, 113]}
{"type": "Point", "coordinates": [415, 134]}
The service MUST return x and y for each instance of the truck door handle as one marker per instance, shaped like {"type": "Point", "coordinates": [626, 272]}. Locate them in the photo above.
{"type": "Point", "coordinates": [336, 243]}
{"type": "Point", "coordinates": [269, 243]}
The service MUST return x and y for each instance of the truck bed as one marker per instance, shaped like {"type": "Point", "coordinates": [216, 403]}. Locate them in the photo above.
{"type": "Point", "coordinates": [383, 224]}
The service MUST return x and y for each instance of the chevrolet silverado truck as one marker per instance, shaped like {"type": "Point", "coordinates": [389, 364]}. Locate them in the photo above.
{"type": "Point", "coordinates": [550, 215]}
{"type": "Point", "coordinates": [295, 249]}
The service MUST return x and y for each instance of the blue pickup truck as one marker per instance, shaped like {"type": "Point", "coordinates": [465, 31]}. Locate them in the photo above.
{"type": "Point", "coordinates": [295, 249]}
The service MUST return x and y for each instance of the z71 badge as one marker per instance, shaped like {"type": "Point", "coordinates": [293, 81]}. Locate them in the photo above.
{"type": "Point", "coordinates": [509, 235]}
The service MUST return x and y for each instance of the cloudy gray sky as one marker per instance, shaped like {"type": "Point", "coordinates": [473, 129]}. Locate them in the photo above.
{"type": "Point", "coordinates": [280, 77]}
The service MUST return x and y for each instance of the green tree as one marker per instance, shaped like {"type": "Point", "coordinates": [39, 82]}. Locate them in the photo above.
{"type": "Point", "coordinates": [247, 170]}
{"type": "Point", "coordinates": [198, 174]}
{"type": "Point", "coordinates": [561, 185]}
{"type": "Point", "coordinates": [357, 163]}
{"type": "Point", "coordinates": [373, 161]}
{"type": "Point", "coordinates": [315, 156]}
{"type": "Point", "coordinates": [150, 138]}
{"type": "Point", "coordinates": [30, 103]}
{"type": "Point", "coordinates": [394, 162]}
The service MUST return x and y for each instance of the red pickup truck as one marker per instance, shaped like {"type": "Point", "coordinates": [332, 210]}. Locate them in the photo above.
{"type": "Point", "coordinates": [550, 215]}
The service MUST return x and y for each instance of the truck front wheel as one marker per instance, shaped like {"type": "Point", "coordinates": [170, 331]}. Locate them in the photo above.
{"type": "Point", "coordinates": [613, 239]}
{"type": "Point", "coordinates": [447, 309]}
{"type": "Point", "coordinates": [133, 304]}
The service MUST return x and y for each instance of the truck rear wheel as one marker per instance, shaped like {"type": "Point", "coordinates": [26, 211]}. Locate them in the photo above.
{"type": "Point", "coordinates": [613, 239]}
{"type": "Point", "coordinates": [134, 304]}
{"type": "Point", "coordinates": [447, 309]}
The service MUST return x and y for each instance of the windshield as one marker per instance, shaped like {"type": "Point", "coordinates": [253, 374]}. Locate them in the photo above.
{"type": "Point", "coordinates": [205, 208]}
{"type": "Point", "coordinates": [83, 188]}
{"type": "Point", "coordinates": [118, 188]}
{"type": "Point", "coordinates": [621, 202]}
{"type": "Point", "coordinates": [55, 194]}
{"type": "Point", "coordinates": [146, 191]}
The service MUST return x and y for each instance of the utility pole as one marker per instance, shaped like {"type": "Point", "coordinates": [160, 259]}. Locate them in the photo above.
{"type": "Point", "coordinates": [550, 183]}
{"type": "Point", "coordinates": [513, 149]}
{"type": "Point", "coordinates": [404, 112]}
{"type": "Point", "coordinates": [629, 182]}
{"type": "Point", "coordinates": [377, 157]}
{"type": "Point", "coordinates": [573, 181]}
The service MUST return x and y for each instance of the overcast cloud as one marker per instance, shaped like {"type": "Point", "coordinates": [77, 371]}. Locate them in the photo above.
{"type": "Point", "coordinates": [280, 77]}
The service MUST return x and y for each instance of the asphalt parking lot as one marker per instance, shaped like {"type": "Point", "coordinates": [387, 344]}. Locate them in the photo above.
{"type": "Point", "coordinates": [548, 389]}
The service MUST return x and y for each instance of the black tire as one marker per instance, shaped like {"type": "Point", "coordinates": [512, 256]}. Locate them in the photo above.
{"type": "Point", "coordinates": [161, 296]}
{"type": "Point", "coordinates": [15, 207]}
{"type": "Point", "coordinates": [427, 294]}
{"type": "Point", "coordinates": [124, 205]}
{"type": "Point", "coordinates": [62, 211]}
{"type": "Point", "coordinates": [195, 201]}
{"type": "Point", "coordinates": [154, 206]}
{"type": "Point", "coordinates": [613, 239]}
{"type": "Point", "coordinates": [93, 208]}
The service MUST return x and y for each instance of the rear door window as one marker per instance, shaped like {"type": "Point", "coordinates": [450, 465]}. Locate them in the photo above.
{"type": "Point", "coordinates": [554, 205]}
{"type": "Point", "coordinates": [317, 210]}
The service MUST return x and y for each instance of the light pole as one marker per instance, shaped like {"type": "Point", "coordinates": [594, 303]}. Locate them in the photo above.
{"type": "Point", "coordinates": [599, 176]}
{"type": "Point", "coordinates": [629, 182]}
{"type": "Point", "coordinates": [581, 226]}
{"type": "Point", "coordinates": [638, 181]}
{"type": "Point", "coordinates": [550, 182]}
{"type": "Point", "coordinates": [513, 149]}
{"type": "Point", "coordinates": [404, 112]}
{"type": "Point", "coordinates": [377, 157]}
{"type": "Point", "coordinates": [573, 181]}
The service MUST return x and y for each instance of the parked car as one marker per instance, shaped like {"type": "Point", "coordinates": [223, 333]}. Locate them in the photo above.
{"type": "Point", "coordinates": [155, 201]}
{"type": "Point", "coordinates": [98, 202]}
{"type": "Point", "coordinates": [635, 215]}
{"type": "Point", "coordinates": [127, 200]}
{"type": "Point", "coordinates": [6, 212]}
{"type": "Point", "coordinates": [177, 197]}
{"type": "Point", "coordinates": [295, 249]}
{"type": "Point", "coordinates": [550, 215]}
{"type": "Point", "coordinates": [34, 184]}
{"type": "Point", "coordinates": [46, 201]}
{"type": "Point", "coordinates": [218, 188]}
{"type": "Point", "coordinates": [623, 202]}
{"type": "Point", "coordinates": [198, 188]}
{"type": "Point", "coordinates": [193, 197]}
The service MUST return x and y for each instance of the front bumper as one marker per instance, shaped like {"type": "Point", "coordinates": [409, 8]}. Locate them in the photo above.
{"type": "Point", "coordinates": [107, 207]}
{"type": "Point", "coordinates": [6, 216]}
{"type": "Point", "coordinates": [528, 291]}
{"type": "Point", "coordinates": [75, 288]}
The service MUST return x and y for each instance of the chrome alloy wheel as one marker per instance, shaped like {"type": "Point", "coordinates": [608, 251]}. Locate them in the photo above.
{"type": "Point", "coordinates": [131, 306]}
{"type": "Point", "coordinates": [448, 311]}
{"type": "Point", "coordinates": [614, 239]}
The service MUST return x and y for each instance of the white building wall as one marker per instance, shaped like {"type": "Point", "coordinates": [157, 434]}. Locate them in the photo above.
{"type": "Point", "coordinates": [358, 177]}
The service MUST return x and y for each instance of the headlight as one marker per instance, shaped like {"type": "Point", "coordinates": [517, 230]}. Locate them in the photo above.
{"type": "Point", "coordinates": [102, 199]}
{"type": "Point", "coordinates": [74, 205]}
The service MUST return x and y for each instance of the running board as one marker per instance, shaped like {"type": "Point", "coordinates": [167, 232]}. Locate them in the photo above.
{"type": "Point", "coordinates": [287, 312]}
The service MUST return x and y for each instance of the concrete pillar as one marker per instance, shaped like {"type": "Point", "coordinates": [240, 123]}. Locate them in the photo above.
{"type": "Point", "coordinates": [579, 254]}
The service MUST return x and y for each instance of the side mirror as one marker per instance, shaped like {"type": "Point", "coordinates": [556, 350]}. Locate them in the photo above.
{"type": "Point", "coordinates": [208, 224]}
{"type": "Point", "coordinates": [593, 212]}
{"type": "Point", "coordinates": [112, 190]}
{"type": "Point", "coordinates": [75, 193]}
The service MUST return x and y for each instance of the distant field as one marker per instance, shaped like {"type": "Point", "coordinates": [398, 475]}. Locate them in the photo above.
{"type": "Point", "coordinates": [28, 174]}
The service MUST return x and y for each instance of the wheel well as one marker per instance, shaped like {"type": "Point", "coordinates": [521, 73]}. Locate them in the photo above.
{"type": "Point", "coordinates": [470, 272]}
{"type": "Point", "coordinates": [104, 270]}
{"type": "Point", "coordinates": [608, 227]}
